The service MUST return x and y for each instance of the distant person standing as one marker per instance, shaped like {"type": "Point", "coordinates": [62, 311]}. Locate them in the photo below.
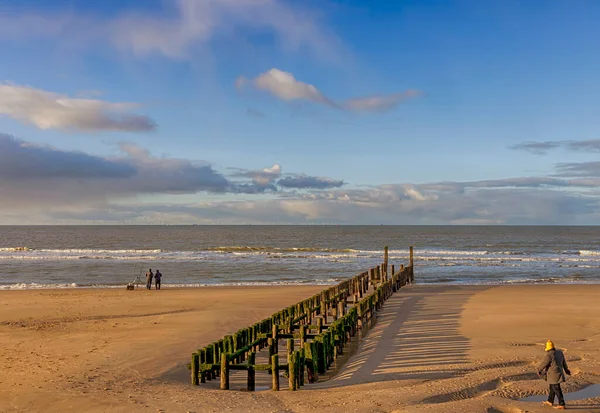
{"type": "Point", "coordinates": [157, 278]}
{"type": "Point", "coordinates": [149, 276]}
{"type": "Point", "coordinates": [553, 369]}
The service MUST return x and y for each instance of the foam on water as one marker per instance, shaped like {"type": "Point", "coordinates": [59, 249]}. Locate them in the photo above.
{"type": "Point", "coordinates": [35, 286]}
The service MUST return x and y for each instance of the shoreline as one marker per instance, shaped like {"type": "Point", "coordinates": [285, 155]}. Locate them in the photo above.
{"type": "Point", "coordinates": [111, 287]}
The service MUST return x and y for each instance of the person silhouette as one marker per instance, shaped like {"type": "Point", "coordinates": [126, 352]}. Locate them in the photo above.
{"type": "Point", "coordinates": [149, 276]}
{"type": "Point", "coordinates": [157, 278]}
{"type": "Point", "coordinates": [553, 369]}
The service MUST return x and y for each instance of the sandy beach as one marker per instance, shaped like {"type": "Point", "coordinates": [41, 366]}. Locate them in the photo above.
{"type": "Point", "coordinates": [433, 348]}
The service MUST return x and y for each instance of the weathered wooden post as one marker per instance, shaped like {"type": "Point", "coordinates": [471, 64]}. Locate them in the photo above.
{"type": "Point", "coordinates": [385, 260]}
{"type": "Point", "coordinates": [341, 308]}
{"type": "Point", "coordinates": [301, 364]}
{"type": "Point", "coordinates": [302, 336]}
{"type": "Point", "coordinates": [334, 313]}
{"type": "Point", "coordinates": [310, 354]}
{"type": "Point", "coordinates": [275, 371]}
{"type": "Point", "coordinates": [224, 372]}
{"type": "Point", "coordinates": [195, 368]}
{"type": "Point", "coordinates": [292, 372]}
{"type": "Point", "coordinates": [412, 274]}
{"type": "Point", "coordinates": [320, 324]}
{"type": "Point", "coordinates": [275, 342]}
{"type": "Point", "coordinates": [204, 357]}
{"type": "Point", "coordinates": [251, 371]}
{"type": "Point", "coordinates": [290, 347]}
{"type": "Point", "coordinates": [270, 342]}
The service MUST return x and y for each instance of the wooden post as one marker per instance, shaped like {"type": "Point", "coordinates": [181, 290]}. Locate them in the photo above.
{"type": "Point", "coordinates": [290, 347]}
{"type": "Point", "coordinates": [411, 256]}
{"type": "Point", "coordinates": [271, 347]}
{"type": "Point", "coordinates": [251, 371]}
{"type": "Point", "coordinates": [385, 260]}
{"type": "Point", "coordinates": [275, 371]}
{"type": "Point", "coordinates": [320, 324]}
{"type": "Point", "coordinates": [334, 312]}
{"type": "Point", "coordinates": [292, 372]}
{"type": "Point", "coordinates": [341, 308]}
{"type": "Point", "coordinates": [311, 362]}
{"type": "Point", "coordinates": [195, 368]}
{"type": "Point", "coordinates": [301, 364]}
{"type": "Point", "coordinates": [203, 359]}
{"type": "Point", "coordinates": [275, 342]}
{"type": "Point", "coordinates": [224, 372]}
{"type": "Point", "coordinates": [302, 336]}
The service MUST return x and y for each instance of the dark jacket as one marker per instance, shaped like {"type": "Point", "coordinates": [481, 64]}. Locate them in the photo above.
{"type": "Point", "coordinates": [555, 366]}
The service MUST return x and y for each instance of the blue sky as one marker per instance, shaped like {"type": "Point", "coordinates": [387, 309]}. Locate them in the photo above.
{"type": "Point", "coordinates": [267, 111]}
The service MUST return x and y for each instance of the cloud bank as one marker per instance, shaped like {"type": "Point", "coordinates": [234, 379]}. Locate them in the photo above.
{"type": "Point", "coordinates": [48, 110]}
{"type": "Point", "coordinates": [32, 175]}
{"type": "Point", "coordinates": [43, 184]}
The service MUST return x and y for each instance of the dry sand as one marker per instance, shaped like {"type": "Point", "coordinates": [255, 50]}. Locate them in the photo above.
{"type": "Point", "coordinates": [434, 349]}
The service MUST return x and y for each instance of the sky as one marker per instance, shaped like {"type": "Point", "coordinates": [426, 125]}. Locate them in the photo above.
{"type": "Point", "coordinates": [300, 112]}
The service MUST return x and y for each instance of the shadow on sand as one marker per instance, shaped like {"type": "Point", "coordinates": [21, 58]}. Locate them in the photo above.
{"type": "Point", "coordinates": [416, 336]}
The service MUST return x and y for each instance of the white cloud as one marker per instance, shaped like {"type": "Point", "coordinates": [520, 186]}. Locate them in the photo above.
{"type": "Point", "coordinates": [284, 85]}
{"type": "Point", "coordinates": [179, 26]}
{"type": "Point", "coordinates": [49, 110]}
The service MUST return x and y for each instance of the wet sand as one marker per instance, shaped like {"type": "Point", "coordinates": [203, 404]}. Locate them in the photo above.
{"type": "Point", "coordinates": [433, 348]}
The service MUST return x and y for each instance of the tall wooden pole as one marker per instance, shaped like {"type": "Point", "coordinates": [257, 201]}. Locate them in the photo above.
{"type": "Point", "coordinates": [385, 260]}
{"type": "Point", "coordinates": [275, 371]}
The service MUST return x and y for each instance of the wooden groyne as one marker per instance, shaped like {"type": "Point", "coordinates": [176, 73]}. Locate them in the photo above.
{"type": "Point", "coordinates": [316, 331]}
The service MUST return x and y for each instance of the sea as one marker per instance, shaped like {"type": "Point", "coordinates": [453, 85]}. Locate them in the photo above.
{"type": "Point", "coordinates": [34, 257]}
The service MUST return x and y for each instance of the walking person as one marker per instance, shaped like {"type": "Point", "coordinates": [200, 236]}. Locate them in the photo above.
{"type": "Point", "coordinates": [157, 278]}
{"type": "Point", "coordinates": [553, 369]}
{"type": "Point", "coordinates": [149, 276]}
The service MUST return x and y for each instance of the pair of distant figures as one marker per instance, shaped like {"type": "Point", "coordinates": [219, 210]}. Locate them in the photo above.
{"type": "Point", "coordinates": [157, 277]}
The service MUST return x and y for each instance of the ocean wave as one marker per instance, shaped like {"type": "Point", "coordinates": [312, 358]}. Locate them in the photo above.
{"type": "Point", "coordinates": [14, 249]}
{"type": "Point", "coordinates": [587, 252]}
{"type": "Point", "coordinates": [36, 286]}
{"type": "Point", "coordinates": [446, 252]}
{"type": "Point", "coordinates": [277, 249]}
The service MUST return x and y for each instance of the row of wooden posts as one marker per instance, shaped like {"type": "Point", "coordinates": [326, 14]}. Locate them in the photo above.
{"type": "Point", "coordinates": [322, 323]}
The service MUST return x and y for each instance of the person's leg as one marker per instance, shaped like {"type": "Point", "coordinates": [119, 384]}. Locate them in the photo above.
{"type": "Point", "coordinates": [559, 393]}
{"type": "Point", "coordinates": [551, 394]}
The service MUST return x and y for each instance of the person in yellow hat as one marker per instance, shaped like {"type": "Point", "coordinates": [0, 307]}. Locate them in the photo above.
{"type": "Point", "coordinates": [553, 369]}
